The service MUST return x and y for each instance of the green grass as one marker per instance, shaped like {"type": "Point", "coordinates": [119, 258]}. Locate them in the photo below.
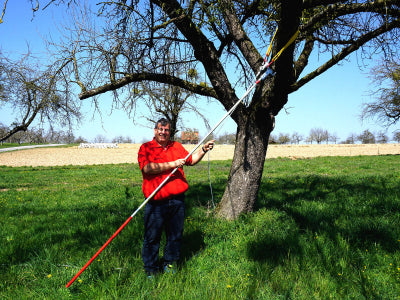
{"type": "Point", "coordinates": [323, 228]}
{"type": "Point", "coordinates": [8, 145]}
{"type": "Point", "coordinates": [11, 145]}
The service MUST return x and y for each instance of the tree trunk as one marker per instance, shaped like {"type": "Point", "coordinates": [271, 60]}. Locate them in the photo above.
{"type": "Point", "coordinates": [247, 167]}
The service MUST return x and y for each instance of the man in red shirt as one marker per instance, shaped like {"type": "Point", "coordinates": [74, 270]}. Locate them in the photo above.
{"type": "Point", "coordinates": [166, 210]}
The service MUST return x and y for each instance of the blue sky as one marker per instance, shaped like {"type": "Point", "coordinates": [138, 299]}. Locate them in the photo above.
{"type": "Point", "coordinates": [332, 101]}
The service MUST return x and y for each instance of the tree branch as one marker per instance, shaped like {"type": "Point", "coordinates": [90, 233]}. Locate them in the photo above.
{"type": "Point", "coordinates": [344, 53]}
{"type": "Point", "coordinates": [337, 8]}
{"type": "Point", "coordinates": [315, 3]}
{"type": "Point", "coordinates": [240, 37]}
{"type": "Point", "coordinates": [161, 78]}
{"type": "Point", "coordinates": [302, 61]}
{"type": "Point", "coordinates": [204, 51]}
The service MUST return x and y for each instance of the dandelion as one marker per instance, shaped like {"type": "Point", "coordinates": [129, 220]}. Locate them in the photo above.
{"type": "Point", "coordinates": [80, 280]}
{"type": "Point", "coordinates": [228, 286]}
{"type": "Point", "coordinates": [49, 276]}
{"type": "Point", "coordinates": [340, 274]}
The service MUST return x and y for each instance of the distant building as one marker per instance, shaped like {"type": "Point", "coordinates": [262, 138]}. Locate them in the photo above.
{"type": "Point", "coordinates": [190, 137]}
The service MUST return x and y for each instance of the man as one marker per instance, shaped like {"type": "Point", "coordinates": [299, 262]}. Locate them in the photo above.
{"type": "Point", "coordinates": [166, 209]}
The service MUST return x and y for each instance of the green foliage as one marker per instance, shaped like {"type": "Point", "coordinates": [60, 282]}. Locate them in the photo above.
{"type": "Point", "coordinates": [192, 73]}
{"type": "Point", "coordinates": [203, 84]}
{"type": "Point", "coordinates": [323, 228]}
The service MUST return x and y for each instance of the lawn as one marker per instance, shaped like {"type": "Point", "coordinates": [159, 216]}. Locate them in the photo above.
{"type": "Point", "coordinates": [323, 228]}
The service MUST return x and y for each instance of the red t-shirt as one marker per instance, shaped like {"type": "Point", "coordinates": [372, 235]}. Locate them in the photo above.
{"type": "Point", "coordinates": [154, 152]}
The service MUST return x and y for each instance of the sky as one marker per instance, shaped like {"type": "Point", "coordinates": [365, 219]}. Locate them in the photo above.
{"type": "Point", "coordinates": [333, 101]}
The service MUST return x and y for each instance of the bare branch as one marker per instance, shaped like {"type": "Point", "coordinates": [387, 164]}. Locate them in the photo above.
{"type": "Point", "coordinates": [240, 37]}
{"type": "Point", "coordinates": [161, 78]}
{"type": "Point", "coordinates": [345, 52]}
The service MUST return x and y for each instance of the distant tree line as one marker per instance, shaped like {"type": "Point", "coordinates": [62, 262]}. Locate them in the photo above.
{"type": "Point", "coordinates": [41, 136]}
{"type": "Point", "coordinates": [319, 136]}
{"type": "Point", "coordinates": [118, 139]}
{"type": "Point", "coordinates": [316, 135]}
{"type": "Point", "coordinates": [38, 136]}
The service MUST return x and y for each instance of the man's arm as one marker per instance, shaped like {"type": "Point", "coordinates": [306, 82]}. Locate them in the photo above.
{"type": "Point", "coordinates": [156, 168]}
{"type": "Point", "coordinates": [196, 157]}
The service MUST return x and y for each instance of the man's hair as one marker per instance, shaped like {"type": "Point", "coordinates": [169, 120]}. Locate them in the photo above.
{"type": "Point", "coordinates": [163, 122]}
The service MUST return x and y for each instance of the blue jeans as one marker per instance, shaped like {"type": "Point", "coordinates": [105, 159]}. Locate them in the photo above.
{"type": "Point", "coordinates": [168, 215]}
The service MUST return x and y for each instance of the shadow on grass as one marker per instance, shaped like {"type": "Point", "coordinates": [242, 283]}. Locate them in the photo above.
{"type": "Point", "coordinates": [362, 211]}
{"type": "Point", "coordinates": [275, 235]}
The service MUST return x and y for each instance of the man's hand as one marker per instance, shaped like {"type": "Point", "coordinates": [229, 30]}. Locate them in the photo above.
{"type": "Point", "coordinates": [196, 157]}
{"type": "Point", "coordinates": [179, 163]}
{"type": "Point", "coordinates": [209, 145]}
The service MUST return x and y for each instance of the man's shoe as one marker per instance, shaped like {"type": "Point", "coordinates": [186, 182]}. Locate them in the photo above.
{"type": "Point", "coordinates": [150, 275]}
{"type": "Point", "coordinates": [168, 268]}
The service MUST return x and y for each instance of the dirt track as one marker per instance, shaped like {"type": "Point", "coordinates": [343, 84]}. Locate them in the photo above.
{"type": "Point", "coordinates": [127, 153]}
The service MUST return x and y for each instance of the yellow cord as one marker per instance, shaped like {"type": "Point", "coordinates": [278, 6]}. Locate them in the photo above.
{"type": "Point", "coordinates": [270, 45]}
{"type": "Point", "coordinates": [287, 45]}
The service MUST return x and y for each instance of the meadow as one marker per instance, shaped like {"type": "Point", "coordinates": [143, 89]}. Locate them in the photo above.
{"type": "Point", "coordinates": [323, 228]}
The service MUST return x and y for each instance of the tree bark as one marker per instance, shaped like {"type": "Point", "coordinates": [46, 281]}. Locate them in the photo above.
{"type": "Point", "coordinates": [247, 166]}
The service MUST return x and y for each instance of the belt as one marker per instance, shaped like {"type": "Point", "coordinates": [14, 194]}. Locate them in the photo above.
{"type": "Point", "coordinates": [173, 197]}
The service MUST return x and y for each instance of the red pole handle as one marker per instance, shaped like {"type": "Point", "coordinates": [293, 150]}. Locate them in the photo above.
{"type": "Point", "coordinates": [98, 252]}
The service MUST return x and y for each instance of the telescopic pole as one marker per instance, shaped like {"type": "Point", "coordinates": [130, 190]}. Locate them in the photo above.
{"type": "Point", "coordinates": [166, 179]}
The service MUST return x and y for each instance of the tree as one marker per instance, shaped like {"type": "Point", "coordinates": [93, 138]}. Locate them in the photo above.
{"type": "Point", "coordinates": [36, 94]}
{"type": "Point", "coordinates": [80, 139]}
{"type": "Point", "coordinates": [396, 136]}
{"type": "Point", "coordinates": [227, 138]}
{"type": "Point", "coordinates": [3, 130]}
{"type": "Point", "coordinates": [166, 100]}
{"type": "Point", "coordinates": [319, 135]}
{"type": "Point", "coordinates": [100, 139]}
{"type": "Point", "coordinates": [333, 138]}
{"type": "Point", "coordinates": [351, 139]}
{"type": "Point", "coordinates": [120, 140]}
{"type": "Point", "coordinates": [283, 138]}
{"type": "Point", "coordinates": [217, 36]}
{"type": "Point", "coordinates": [382, 138]}
{"type": "Point", "coordinates": [366, 137]}
{"type": "Point", "coordinates": [297, 138]}
{"type": "Point", "coordinates": [386, 108]}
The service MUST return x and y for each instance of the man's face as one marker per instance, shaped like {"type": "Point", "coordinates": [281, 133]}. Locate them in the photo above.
{"type": "Point", "coordinates": [162, 133]}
